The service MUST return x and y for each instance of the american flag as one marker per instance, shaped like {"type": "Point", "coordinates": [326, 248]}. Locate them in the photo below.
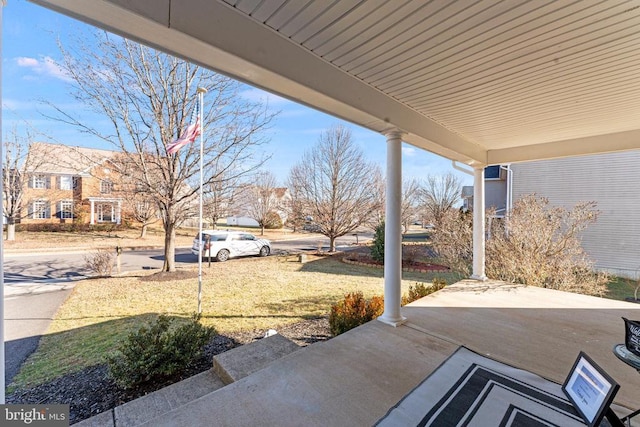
{"type": "Point", "coordinates": [190, 133]}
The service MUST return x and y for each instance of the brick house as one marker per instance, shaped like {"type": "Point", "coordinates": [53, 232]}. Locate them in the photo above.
{"type": "Point", "coordinates": [67, 183]}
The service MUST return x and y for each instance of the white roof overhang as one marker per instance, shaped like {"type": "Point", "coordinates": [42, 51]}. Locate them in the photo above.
{"type": "Point", "coordinates": [480, 82]}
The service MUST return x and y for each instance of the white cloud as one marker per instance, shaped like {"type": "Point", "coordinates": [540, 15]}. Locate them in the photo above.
{"type": "Point", "coordinates": [409, 151]}
{"type": "Point", "coordinates": [45, 66]}
{"type": "Point", "coordinates": [27, 62]}
{"type": "Point", "coordinates": [257, 95]}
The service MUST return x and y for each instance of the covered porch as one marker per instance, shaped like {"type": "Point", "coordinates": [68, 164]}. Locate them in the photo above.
{"type": "Point", "coordinates": [355, 378]}
{"type": "Point", "coordinates": [481, 83]}
{"type": "Point", "coordinates": [105, 210]}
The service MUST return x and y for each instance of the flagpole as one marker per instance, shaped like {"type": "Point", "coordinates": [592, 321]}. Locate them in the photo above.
{"type": "Point", "coordinates": [201, 91]}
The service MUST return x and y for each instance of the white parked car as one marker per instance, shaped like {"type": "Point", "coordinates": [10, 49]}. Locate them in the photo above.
{"type": "Point", "coordinates": [223, 245]}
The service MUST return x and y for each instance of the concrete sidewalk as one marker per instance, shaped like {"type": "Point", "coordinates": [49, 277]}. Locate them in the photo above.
{"type": "Point", "coordinates": [38, 287]}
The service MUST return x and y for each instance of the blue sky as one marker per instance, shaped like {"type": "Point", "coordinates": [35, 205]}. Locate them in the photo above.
{"type": "Point", "coordinates": [30, 74]}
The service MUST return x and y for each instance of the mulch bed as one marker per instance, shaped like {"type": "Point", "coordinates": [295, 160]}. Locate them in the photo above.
{"type": "Point", "coordinates": [166, 276]}
{"type": "Point", "coordinates": [91, 390]}
{"type": "Point", "coordinates": [362, 256]}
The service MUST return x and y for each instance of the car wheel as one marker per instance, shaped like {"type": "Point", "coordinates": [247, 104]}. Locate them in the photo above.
{"type": "Point", "coordinates": [223, 255]}
{"type": "Point", "coordinates": [264, 251]}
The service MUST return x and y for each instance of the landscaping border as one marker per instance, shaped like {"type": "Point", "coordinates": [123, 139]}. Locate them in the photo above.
{"type": "Point", "coordinates": [346, 260]}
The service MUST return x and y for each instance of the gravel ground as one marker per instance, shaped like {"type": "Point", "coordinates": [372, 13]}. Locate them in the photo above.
{"type": "Point", "coordinates": [91, 391]}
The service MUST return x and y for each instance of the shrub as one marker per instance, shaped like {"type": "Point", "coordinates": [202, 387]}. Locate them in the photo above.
{"type": "Point", "coordinates": [100, 261]}
{"type": "Point", "coordinates": [535, 245]}
{"type": "Point", "coordinates": [354, 311]}
{"type": "Point", "coordinates": [420, 290]}
{"type": "Point", "coordinates": [411, 253]}
{"type": "Point", "coordinates": [377, 250]}
{"type": "Point", "coordinates": [273, 221]}
{"type": "Point", "coordinates": [453, 241]}
{"type": "Point", "coordinates": [540, 245]}
{"type": "Point", "coordinates": [158, 351]}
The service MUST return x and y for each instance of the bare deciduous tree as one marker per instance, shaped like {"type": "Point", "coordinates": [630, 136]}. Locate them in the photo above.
{"type": "Point", "coordinates": [138, 202]}
{"type": "Point", "coordinates": [262, 200]}
{"type": "Point", "coordinates": [440, 193]}
{"type": "Point", "coordinates": [296, 205]}
{"type": "Point", "coordinates": [147, 98]}
{"type": "Point", "coordinates": [410, 199]}
{"type": "Point", "coordinates": [379, 192]}
{"type": "Point", "coordinates": [21, 162]}
{"type": "Point", "coordinates": [337, 183]}
{"type": "Point", "coordinates": [219, 197]}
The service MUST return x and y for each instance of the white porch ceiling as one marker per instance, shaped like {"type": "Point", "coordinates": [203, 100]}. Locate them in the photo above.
{"type": "Point", "coordinates": [482, 82]}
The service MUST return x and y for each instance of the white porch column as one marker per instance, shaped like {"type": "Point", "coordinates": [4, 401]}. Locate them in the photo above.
{"type": "Point", "coordinates": [119, 212]}
{"type": "Point", "coordinates": [393, 232]}
{"type": "Point", "coordinates": [92, 220]}
{"type": "Point", "coordinates": [478, 224]}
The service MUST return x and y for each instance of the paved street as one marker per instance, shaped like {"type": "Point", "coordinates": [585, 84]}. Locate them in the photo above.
{"type": "Point", "coordinates": [23, 270]}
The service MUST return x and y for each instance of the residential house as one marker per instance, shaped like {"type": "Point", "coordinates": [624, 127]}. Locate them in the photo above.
{"type": "Point", "coordinates": [611, 180]}
{"type": "Point", "coordinates": [66, 183]}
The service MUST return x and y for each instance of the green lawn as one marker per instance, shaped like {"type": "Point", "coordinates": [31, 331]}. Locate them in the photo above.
{"type": "Point", "coordinates": [620, 288]}
{"type": "Point", "coordinates": [244, 294]}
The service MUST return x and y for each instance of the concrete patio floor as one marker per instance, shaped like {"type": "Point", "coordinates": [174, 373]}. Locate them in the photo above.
{"type": "Point", "coordinates": [353, 379]}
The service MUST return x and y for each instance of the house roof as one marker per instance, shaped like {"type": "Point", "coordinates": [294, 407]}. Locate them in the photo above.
{"type": "Point", "coordinates": [474, 81]}
{"type": "Point", "coordinates": [280, 192]}
{"type": "Point", "coordinates": [66, 159]}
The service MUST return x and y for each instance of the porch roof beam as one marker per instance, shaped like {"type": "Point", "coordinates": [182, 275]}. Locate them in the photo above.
{"type": "Point", "coordinates": [609, 143]}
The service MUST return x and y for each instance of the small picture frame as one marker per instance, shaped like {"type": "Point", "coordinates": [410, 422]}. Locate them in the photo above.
{"type": "Point", "coordinates": [590, 389]}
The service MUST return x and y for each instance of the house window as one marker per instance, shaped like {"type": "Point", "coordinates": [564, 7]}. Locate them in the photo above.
{"type": "Point", "coordinates": [39, 181]}
{"type": "Point", "coordinates": [40, 209]}
{"type": "Point", "coordinates": [106, 186]}
{"type": "Point", "coordinates": [66, 182]}
{"type": "Point", "coordinates": [492, 172]}
{"type": "Point", "coordinates": [66, 209]}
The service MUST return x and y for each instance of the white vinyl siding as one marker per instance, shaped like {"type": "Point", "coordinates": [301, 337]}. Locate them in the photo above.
{"type": "Point", "coordinates": [613, 181]}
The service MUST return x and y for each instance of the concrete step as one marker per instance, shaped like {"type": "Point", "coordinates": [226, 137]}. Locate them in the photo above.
{"type": "Point", "coordinates": [242, 361]}
{"type": "Point", "coordinates": [228, 367]}
{"type": "Point", "coordinates": [156, 404]}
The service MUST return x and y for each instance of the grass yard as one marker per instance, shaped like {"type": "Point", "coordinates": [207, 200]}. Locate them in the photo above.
{"type": "Point", "coordinates": [620, 288]}
{"type": "Point", "coordinates": [243, 294]}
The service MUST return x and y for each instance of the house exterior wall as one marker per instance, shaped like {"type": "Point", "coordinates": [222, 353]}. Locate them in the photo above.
{"type": "Point", "coordinates": [52, 196]}
{"type": "Point", "coordinates": [613, 181]}
{"type": "Point", "coordinates": [83, 184]}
